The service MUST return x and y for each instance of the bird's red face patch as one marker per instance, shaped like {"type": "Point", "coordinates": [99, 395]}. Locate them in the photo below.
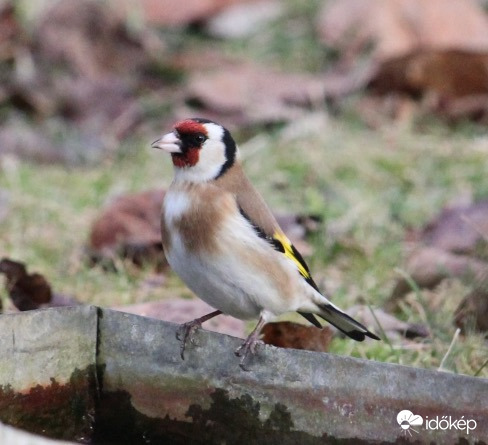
{"type": "Point", "coordinates": [187, 131]}
{"type": "Point", "coordinates": [187, 159]}
{"type": "Point", "coordinates": [189, 126]}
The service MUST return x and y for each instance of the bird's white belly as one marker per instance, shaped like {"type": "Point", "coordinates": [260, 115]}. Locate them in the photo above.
{"type": "Point", "coordinates": [219, 282]}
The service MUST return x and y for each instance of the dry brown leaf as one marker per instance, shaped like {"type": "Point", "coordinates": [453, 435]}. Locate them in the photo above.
{"type": "Point", "coordinates": [77, 76]}
{"type": "Point", "coordinates": [27, 291]}
{"type": "Point", "coordinates": [397, 28]}
{"type": "Point", "coordinates": [413, 47]}
{"type": "Point", "coordinates": [286, 334]}
{"type": "Point", "coordinates": [88, 38]}
{"type": "Point", "coordinates": [449, 74]}
{"type": "Point", "coordinates": [129, 227]}
{"type": "Point", "coordinates": [250, 94]}
{"type": "Point", "coordinates": [30, 291]}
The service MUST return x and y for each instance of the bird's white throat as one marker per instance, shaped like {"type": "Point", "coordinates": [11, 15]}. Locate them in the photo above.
{"type": "Point", "coordinates": [176, 204]}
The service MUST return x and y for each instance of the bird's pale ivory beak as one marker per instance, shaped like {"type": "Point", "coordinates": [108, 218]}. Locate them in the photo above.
{"type": "Point", "coordinates": [169, 142]}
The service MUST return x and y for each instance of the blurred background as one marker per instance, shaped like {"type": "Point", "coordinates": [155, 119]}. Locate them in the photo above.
{"type": "Point", "coordinates": [362, 122]}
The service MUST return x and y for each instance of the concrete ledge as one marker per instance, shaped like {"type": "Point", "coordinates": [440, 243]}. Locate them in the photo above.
{"type": "Point", "coordinates": [146, 392]}
{"type": "Point", "coordinates": [48, 371]}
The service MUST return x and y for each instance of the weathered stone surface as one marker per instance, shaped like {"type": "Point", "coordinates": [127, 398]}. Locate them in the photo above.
{"type": "Point", "coordinates": [145, 393]}
{"type": "Point", "coordinates": [287, 396]}
{"type": "Point", "coordinates": [45, 344]}
{"type": "Point", "coordinates": [47, 371]}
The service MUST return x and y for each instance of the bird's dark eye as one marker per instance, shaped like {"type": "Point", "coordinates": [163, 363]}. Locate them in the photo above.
{"type": "Point", "coordinates": [199, 138]}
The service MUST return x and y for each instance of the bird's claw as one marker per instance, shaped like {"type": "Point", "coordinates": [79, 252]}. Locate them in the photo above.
{"type": "Point", "coordinates": [248, 347]}
{"type": "Point", "coordinates": [186, 332]}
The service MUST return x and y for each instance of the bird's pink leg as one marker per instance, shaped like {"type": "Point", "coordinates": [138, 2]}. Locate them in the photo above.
{"type": "Point", "coordinates": [185, 331]}
{"type": "Point", "coordinates": [249, 346]}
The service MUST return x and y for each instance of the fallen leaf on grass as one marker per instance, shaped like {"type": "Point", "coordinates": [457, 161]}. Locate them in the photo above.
{"type": "Point", "coordinates": [30, 291]}
{"type": "Point", "coordinates": [248, 94]}
{"type": "Point", "coordinates": [449, 75]}
{"type": "Point", "coordinates": [81, 65]}
{"type": "Point", "coordinates": [27, 291]}
{"type": "Point", "coordinates": [415, 48]}
{"type": "Point", "coordinates": [395, 28]}
{"type": "Point", "coordinates": [286, 334]}
{"type": "Point", "coordinates": [90, 39]}
{"type": "Point", "coordinates": [129, 228]}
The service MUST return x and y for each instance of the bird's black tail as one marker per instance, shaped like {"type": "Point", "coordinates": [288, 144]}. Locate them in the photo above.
{"type": "Point", "coordinates": [345, 323]}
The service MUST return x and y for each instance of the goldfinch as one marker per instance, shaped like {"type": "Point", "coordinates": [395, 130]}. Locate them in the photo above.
{"type": "Point", "coordinates": [222, 240]}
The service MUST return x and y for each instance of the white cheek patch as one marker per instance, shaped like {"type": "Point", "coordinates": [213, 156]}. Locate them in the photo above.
{"type": "Point", "coordinates": [176, 204]}
{"type": "Point", "coordinates": [212, 158]}
{"type": "Point", "coordinates": [210, 161]}
{"type": "Point", "coordinates": [214, 132]}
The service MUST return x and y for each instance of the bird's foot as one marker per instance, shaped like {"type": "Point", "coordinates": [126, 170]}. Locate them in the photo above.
{"type": "Point", "coordinates": [187, 330]}
{"type": "Point", "coordinates": [248, 349]}
{"type": "Point", "coordinates": [186, 333]}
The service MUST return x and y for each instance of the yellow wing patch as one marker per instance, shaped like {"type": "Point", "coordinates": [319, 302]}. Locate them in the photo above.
{"type": "Point", "coordinates": [290, 252]}
{"type": "Point", "coordinates": [280, 242]}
